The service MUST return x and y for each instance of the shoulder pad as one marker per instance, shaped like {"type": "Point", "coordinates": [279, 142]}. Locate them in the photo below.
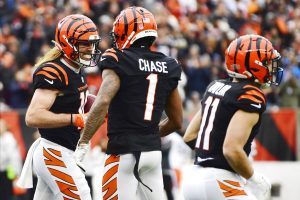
{"type": "Point", "coordinates": [50, 76]}
{"type": "Point", "coordinates": [110, 60]}
{"type": "Point", "coordinates": [110, 54]}
{"type": "Point", "coordinates": [175, 68]}
{"type": "Point", "coordinates": [252, 99]}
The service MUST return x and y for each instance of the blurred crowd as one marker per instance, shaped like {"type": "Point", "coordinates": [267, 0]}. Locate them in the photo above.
{"type": "Point", "coordinates": [196, 32]}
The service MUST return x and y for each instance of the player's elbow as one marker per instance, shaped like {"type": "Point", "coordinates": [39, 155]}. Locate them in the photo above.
{"type": "Point", "coordinates": [177, 123]}
{"type": "Point", "coordinates": [230, 152]}
{"type": "Point", "coordinates": [104, 102]}
{"type": "Point", "coordinates": [30, 119]}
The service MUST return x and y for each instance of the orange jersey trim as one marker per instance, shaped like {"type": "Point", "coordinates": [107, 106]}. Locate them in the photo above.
{"type": "Point", "coordinates": [62, 71]}
{"type": "Point", "coordinates": [111, 54]}
{"type": "Point", "coordinates": [253, 87]}
{"type": "Point", "coordinates": [54, 71]}
{"type": "Point", "coordinates": [249, 97]}
{"type": "Point", "coordinates": [255, 93]}
{"type": "Point", "coordinates": [46, 74]}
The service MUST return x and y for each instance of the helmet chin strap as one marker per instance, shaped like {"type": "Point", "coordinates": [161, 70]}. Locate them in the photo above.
{"type": "Point", "coordinates": [73, 61]}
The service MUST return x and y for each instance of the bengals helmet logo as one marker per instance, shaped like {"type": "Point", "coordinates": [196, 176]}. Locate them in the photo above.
{"type": "Point", "coordinates": [253, 57]}
{"type": "Point", "coordinates": [132, 24]}
{"type": "Point", "coordinates": [77, 29]}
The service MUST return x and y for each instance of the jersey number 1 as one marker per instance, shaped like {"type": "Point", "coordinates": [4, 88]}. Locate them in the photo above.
{"type": "Point", "coordinates": [150, 96]}
{"type": "Point", "coordinates": [83, 100]}
{"type": "Point", "coordinates": [210, 104]}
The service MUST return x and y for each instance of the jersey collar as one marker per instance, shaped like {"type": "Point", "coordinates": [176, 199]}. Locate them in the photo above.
{"type": "Point", "coordinates": [69, 66]}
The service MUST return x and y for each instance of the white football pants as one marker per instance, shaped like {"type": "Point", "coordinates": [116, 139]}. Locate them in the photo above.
{"type": "Point", "coordinates": [119, 181]}
{"type": "Point", "coordinates": [58, 175]}
{"type": "Point", "coordinates": [206, 183]}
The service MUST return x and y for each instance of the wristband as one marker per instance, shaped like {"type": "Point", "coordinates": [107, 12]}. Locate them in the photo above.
{"type": "Point", "coordinates": [79, 120]}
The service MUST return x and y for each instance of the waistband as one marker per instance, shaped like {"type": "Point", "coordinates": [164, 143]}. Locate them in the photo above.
{"type": "Point", "coordinates": [48, 142]}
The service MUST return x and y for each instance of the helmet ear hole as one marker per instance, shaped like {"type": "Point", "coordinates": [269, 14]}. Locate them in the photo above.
{"type": "Point", "coordinates": [71, 41]}
{"type": "Point", "coordinates": [254, 69]}
{"type": "Point", "coordinates": [265, 62]}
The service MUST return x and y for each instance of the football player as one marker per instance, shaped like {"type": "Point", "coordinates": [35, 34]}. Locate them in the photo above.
{"type": "Point", "coordinates": [223, 129]}
{"type": "Point", "coordinates": [138, 85]}
{"type": "Point", "coordinates": [57, 109]}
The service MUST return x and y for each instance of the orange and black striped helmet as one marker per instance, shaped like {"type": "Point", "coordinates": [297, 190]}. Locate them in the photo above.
{"type": "Point", "coordinates": [77, 29]}
{"type": "Point", "coordinates": [133, 23]}
{"type": "Point", "coordinates": [253, 57]}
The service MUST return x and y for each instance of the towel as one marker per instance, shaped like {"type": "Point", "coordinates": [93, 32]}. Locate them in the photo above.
{"type": "Point", "coordinates": [25, 179]}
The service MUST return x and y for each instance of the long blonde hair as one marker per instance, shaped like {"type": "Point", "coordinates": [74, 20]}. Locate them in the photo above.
{"type": "Point", "coordinates": [51, 55]}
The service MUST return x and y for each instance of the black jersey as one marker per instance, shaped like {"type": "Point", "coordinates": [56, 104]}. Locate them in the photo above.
{"type": "Point", "coordinates": [146, 80]}
{"type": "Point", "coordinates": [72, 97]}
{"type": "Point", "coordinates": [221, 100]}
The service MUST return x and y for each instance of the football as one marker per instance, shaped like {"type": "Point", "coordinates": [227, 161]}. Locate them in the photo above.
{"type": "Point", "coordinates": [89, 102]}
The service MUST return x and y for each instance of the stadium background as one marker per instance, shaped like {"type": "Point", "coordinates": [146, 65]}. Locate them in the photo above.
{"type": "Point", "coordinates": [196, 32]}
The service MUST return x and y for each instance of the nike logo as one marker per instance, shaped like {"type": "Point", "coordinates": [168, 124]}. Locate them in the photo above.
{"type": "Point", "coordinates": [204, 159]}
{"type": "Point", "coordinates": [51, 82]}
{"type": "Point", "coordinates": [101, 59]}
{"type": "Point", "coordinates": [256, 105]}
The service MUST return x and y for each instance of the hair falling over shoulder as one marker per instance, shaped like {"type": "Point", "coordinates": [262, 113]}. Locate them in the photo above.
{"type": "Point", "coordinates": [51, 55]}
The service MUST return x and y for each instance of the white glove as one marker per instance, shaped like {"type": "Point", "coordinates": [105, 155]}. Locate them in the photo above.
{"type": "Point", "coordinates": [80, 152]}
{"type": "Point", "coordinates": [260, 186]}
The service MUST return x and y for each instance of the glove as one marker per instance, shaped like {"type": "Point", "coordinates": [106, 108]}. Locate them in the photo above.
{"type": "Point", "coordinates": [79, 119]}
{"type": "Point", "coordinates": [260, 186]}
{"type": "Point", "coordinates": [79, 154]}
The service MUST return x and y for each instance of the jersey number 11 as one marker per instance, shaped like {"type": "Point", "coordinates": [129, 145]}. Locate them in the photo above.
{"type": "Point", "coordinates": [211, 105]}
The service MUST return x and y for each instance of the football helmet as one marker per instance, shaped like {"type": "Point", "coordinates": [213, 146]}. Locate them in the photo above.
{"type": "Point", "coordinates": [253, 57]}
{"type": "Point", "coordinates": [132, 24]}
{"type": "Point", "coordinates": [73, 31]}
